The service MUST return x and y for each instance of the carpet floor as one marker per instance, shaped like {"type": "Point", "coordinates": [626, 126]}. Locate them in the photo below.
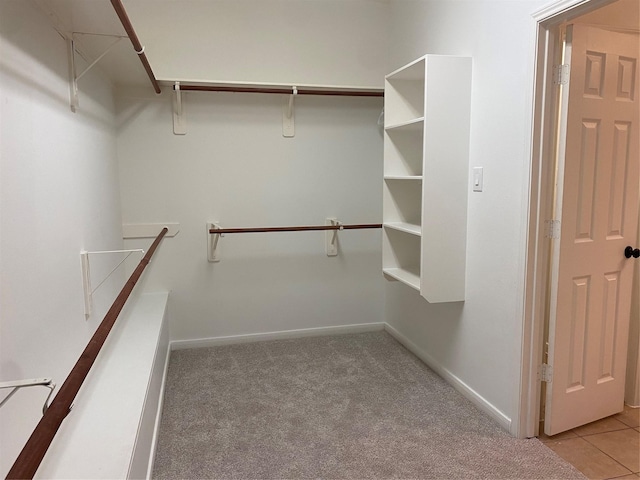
{"type": "Point", "coordinates": [351, 406]}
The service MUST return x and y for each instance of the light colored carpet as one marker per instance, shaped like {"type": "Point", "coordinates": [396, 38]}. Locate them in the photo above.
{"type": "Point", "coordinates": [352, 406]}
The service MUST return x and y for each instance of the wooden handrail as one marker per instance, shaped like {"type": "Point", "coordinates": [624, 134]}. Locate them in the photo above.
{"type": "Point", "coordinates": [34, 450]}
{"type": "Point", "coordinates": [137, 46]}
{"type": "Point", "coordinates": [293, 229]}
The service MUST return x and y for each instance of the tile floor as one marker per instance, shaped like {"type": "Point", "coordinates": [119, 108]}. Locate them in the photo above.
{"type": "Point", "coordinates": [608, 448]}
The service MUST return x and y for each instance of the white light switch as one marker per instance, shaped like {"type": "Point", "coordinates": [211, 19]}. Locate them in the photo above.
{"type": "Point", "coordinates": [477, 179]}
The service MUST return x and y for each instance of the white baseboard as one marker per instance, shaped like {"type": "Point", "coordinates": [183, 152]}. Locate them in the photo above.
{"type": "Point", "coordinates": [285, 334]}
{"type": "Point", "coordinates": [470, 394]}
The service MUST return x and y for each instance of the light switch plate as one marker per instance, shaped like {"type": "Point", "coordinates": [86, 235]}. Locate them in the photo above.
{"type": "Point", "coordinates": [477, 179]}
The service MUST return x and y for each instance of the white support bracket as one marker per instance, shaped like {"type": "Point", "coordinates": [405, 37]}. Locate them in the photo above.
{"type": "Point", "coordinates": [288, 115]}
{"type": "Point", "coordinates": [179, 117]}
{"type": "Point", "coordinates": [331, 237]}
{"type": "Point", "coordinates": [86, 275]}
{"type": "Point", "coordinates": [213, 249]}
{"type": "Point", "coordinates": [32, 382]}
{"type": "Point", "coordinates": [73, 75]}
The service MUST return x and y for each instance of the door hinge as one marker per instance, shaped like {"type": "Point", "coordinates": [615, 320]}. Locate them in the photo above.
{"type": "Point", "coordinates": [561, 74]}
{"type": "Point", "coordinates": [546, 373]}
{"type": "Point", "coordinates": [552, 229]}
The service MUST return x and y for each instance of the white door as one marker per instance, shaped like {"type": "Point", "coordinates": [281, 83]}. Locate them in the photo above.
{"type": "Point", "coordinates": [598, 180]}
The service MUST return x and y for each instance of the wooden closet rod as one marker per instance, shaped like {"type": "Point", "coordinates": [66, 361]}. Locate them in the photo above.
{"type": "Point", "coordinates": [282, 91]}
{"type": "Point", "coordinates": [34, 450]}
{"type": "Point", "coordinates": [126, 23]}
{"type": "Point", "coordinates": [293, 229]}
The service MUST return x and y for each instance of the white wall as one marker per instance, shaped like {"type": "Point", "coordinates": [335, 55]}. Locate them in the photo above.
{"type": "Point", "coordinates": [479, 342]}
{"type": "Point", "coordinates": [234, 166]}
{"type": "Point", "coordinates": [58, 195]}
{"type": "Point", "coordinates": [333, 42]}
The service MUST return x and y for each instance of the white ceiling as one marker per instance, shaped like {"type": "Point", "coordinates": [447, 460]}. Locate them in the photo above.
{"type": "Point", "coordinates": [122, 65]}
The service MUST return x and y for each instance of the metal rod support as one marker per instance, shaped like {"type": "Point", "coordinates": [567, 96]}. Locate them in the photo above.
{"type": "Point", "coordinates": [35, 382]}
{"type": "Point", "coordinates": [78, 77]}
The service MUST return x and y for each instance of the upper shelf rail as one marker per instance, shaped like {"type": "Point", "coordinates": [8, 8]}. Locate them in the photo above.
{"type": "Point", "coordinates": [344, 92]}
{"type": "Point", "coordinates": [34, 450]}
{"type": "Point", "coordinates": [220, 231]}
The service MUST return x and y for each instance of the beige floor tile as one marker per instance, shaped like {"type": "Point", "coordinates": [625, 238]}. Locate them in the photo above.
{"type": "Point", "coordinates": [560, 436]}
{"type": "Point", "coordinates": [622, 445]}
{"type": "Point", "coordinates": [630, 416]}
{"type": "Point", "coordinates": [608, 424]}
{"type": "Point", "coordinates": [631, 476]}
{"type": "Point", "coordinates": [588, 459]}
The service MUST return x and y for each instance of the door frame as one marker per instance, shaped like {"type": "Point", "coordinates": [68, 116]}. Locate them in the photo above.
{"type": "Point", "coordinates": [540, 185]}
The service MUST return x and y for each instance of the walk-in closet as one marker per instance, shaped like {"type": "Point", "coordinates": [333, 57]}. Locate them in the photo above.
{"type": "Point", "coordinates": [305, 238]}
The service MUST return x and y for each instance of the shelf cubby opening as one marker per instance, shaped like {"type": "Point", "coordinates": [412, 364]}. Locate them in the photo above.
{"type": "Point", "coordinates": [407, 96]}
{"type": "Point", "coordinates": [401, 253]}
{"type": "Point", "coordinates": [403, 152]}
{"type": "Point", "coordinates": [402, 201]}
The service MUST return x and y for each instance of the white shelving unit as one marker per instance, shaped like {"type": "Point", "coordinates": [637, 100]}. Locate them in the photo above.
{"type": "Point", "coordinates": [426, 161]}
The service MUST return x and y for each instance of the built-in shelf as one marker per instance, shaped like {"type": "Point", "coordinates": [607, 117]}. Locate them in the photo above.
{"type": "Point", "coordinates": [426, 162]}
{"type": "Point", "coordinates": [405, 275]}
{"type": "Point", "coordinates": [415, 124]}
{"type": "Point", "coordinates": [403, 177]}
{"type": "Point", "coordinates": [405, 227]}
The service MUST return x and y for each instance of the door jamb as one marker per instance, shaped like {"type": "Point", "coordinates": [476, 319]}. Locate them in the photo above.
{"type": "Point", "coordinates": [540, 204]}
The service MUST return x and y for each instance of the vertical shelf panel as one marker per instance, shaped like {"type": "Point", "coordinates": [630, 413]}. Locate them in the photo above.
{"type": "Point", "coordinates": [446, 178]}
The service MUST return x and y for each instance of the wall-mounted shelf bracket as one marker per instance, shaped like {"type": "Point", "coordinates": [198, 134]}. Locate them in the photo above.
{"type": "Point", "coordinates": [16, 385]}
{"type": "Point", "coordinates": [213, 248]}
{"type": "Point", "coordinates": [73, 75]}
{"type": "Point", "coordinates": [179, 117]}
{"type": "Point", "coordinates": [288, 114]}
{"type": "Point", "coordinates": [331, 237]}
{"type": "Point", "coordinates": [86, 275]}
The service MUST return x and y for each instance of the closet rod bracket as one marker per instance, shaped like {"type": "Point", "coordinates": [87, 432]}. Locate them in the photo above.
{"type": "Point", "coordinates": [213, 247]}
{"type": "Point", "coordinates": [331, 237]}
{"type": "Point", "coordinates": [179, 117]}
{"type": "Point", "coordinates": [288, 115]}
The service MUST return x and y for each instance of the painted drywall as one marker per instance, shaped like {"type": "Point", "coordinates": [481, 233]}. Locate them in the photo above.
{"type": "Point", "coordinates": [325, 42]}
{"type": "Point", "coordinates": [234, 166]}
{"type": "Point", "coordinates": [58, 196]}
{"type": "Point", "coordinates": [478, 343]}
